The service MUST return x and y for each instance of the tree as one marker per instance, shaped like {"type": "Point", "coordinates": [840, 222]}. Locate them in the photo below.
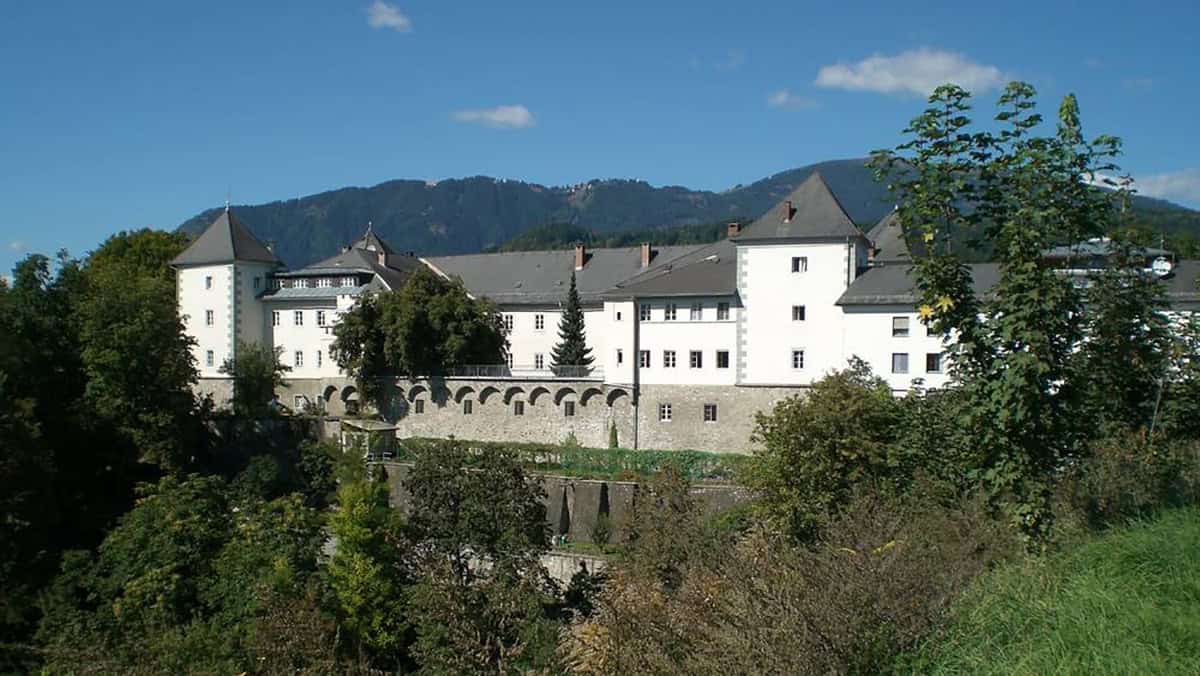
{"type": "Point", "coordinates": [1013, 349]}
{"type": "Point", "coordinates": [819, 446]}
{"type": "Point", "coordinates": [257, 372]}
{"type": "Point", "coordinates": [572, 349]}
{"type": "Point", "coordinates": [429, 325]}
{"type": "Point", "coordinates": [136, 355]}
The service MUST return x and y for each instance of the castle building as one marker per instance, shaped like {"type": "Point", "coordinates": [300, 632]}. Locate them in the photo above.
{"type": "Point", "coordinates": [689, 341]}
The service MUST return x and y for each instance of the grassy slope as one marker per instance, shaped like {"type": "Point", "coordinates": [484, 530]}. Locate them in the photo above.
{"type": "Point", "coordinates": [1125, 603]}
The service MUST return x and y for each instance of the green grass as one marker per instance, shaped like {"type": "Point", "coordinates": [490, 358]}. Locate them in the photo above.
{"type": "Point", "coordinates": [1127, 602]}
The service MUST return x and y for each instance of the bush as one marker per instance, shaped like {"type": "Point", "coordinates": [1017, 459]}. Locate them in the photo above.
{"type": "Point", "coordinates": [875, 583]}
{"type": "Point", "coordinates": [1128, 477]}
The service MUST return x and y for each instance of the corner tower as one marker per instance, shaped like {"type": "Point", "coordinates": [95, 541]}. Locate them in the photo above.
{"type": "Point", "coordinates": [218, 279]}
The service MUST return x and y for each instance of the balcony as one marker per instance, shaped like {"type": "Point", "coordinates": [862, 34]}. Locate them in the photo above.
{"type": "Point", "coordinates": [526, 372]}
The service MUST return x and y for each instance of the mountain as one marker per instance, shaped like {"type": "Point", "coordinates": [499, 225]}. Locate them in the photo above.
{"type": "Point", "coordinates": [472, 214]}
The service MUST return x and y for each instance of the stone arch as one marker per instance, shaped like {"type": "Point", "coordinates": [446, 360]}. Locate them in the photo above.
{"type": "Point", "coordinates": [462, 392]}
{"type": "Point", "coordinates": [562, 393]}
{"type": "Point", "coordinates": [616, 395]}
{"type": "Point", "coordinates": [329, 393]}
{"type": "Point", "coordinates": [512, 392]}
{"type": "Point", "coordinates": [416, 391]}
{"type": "Point", "coordinates": [349, 394]}
{"type": "Point", "coordinates": [536, 393]}
{"type": "Point", "coordinates": [487, 393]}
{"type": "Point", "coordinates": [589, 394]}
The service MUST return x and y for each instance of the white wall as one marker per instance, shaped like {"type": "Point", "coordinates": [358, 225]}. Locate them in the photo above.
{"type": "Point", "coordinates": [525, 341]}
{"type": "Point", "coordinates": [309, 338]}
{"type": "Point", "coordinates": [868, 335]}
{"type": "Point", "coordinates": [250, 313]}
{"type": "Point", "coordinates": [617, 324]}
{"type": "Point", "coordinates": [769, 289]}
{"type": "Point", "coordinates": [194, 300]}
{"type": "Point", "coordinates": [682, 335]}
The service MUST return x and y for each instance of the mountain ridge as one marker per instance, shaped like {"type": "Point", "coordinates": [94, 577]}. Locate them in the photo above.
{"type": "Point", "coordinates": [467, 215]}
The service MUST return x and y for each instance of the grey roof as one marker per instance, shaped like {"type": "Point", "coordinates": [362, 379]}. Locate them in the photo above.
{"type": "Point", "coordinates": [363, 257]}
{"type": "Point", "coordinates": [1098, 248]}
{"type": "Point", "coordinates": [541, 277]}
{"type": "Point", "coordinates": [895, 285]}
{"type": "Point", "coordinates": [815, 213]}
{"type": "Point", "coordinates": [888, 239]}
{"type": "Point", "coordinates": [309, 293]}
{"type": "Point", "coordinates": [707, 271]}
{"type": "Point", "coordinates": [226, 240]}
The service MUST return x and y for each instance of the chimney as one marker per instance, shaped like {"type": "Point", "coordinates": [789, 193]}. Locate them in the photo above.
{"type": "Point", "coordinates": [733, 229]}
{"type": "Point", "coordinates": [579, 255]}
{"type": "Point", "coordinates": [645, 254]}
{"type": "Point", "coordinates": [871, 253]}
{"type": "Point", "coordinates": [787, 211]}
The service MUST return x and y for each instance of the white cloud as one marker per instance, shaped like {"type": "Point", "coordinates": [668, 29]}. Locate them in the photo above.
{"type": "Point", "coordinates": [383, 15]}
{"type": "Point", "coordinates": [786, 100]}
{"type": "Point", "coordinates": [1182, 185]}
{"type": "Point", "coordinates": [917, 71]}
{"type": "Point", "coordinates": [17, 246]}
{"type": "Point", "coordinates": [500, 117]}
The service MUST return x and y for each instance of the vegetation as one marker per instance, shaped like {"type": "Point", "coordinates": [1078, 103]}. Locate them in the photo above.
{"type": "Point", "coordinates": [572, 349]}
{"type": "Point", "coordinates": [1124, 603]}
{"type": "Point", "coordinates": [428, 325]}
{"type": "Point", "coordinates": [257, 373]}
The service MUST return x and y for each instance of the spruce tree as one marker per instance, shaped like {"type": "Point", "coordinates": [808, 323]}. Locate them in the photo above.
{"type": "Point", "coordinates": [572, 349]}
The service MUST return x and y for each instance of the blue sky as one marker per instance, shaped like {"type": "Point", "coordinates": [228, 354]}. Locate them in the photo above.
{"type": "Point", "coordinates": [120, 115]}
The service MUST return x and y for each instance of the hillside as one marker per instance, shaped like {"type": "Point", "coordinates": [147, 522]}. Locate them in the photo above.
{"type": "Point", "coordinates": [477, 213]}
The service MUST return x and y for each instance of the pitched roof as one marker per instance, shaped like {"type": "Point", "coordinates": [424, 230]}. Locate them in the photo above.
{"type": "Point", "coordinates": [707, 271]}
{"type": "Point", "coordinates": [226, 240]}
{"type": "Point", "coordinates": [888, 239]}
{"type": "Point", "coordinates": [363, 256]}
{"type": "Point", "coordinates": [541, 277]}
{"type": "Point", "coordinates": [811, 211]}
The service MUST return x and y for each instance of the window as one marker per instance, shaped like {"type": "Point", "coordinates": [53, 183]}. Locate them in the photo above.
{"type": "Point", "coordinates": [257, 283]}
{"type": "Point", "coordinates": [664, 412]}
{"type": "Point", "coordinates": [668, 359]}
{"type": "Point", "coordinates": [208, 282]}
{"type": "Point", "coordinates": [696, 313]}
{"type": "Point", "coordinates": [508, 359]}
{"type": "Point", "coordinates": [419, 406]}
{"type": "Point", "coordinates": [324, 282]}
{"type": "Point", "coordinates": [798, 313]}
{"type": "Point", "coordinates": [209, 359]}
{"type": "Point", "coordinates": [696, 359]}
{"type": "Point", "coordinates": [208, 317]}
{"type": "Point", "coordinates": [568, 409]}
{"type": "Point", "coordinates": [644, 359]}
{"type": "Point", "coordinates": [669, 312]}
{"type": "Point", "coordinates": [349, 281]}
{"type": "Point", "coordinates": [710, 413]}
{"type": "Point", "coordinates": [899, 327]}
{"type": "Point", "coordinates": [620, 357]}
{"type": "Point", "coordinates": [518, 408]}
{"type": "Point", "coordinates": [929, 329]}
{"type": "Point", "coordinates": [644, 312]}
{"type": "Point", "coordinates": [618, 315]}
{"type": "Point", "coordinates": [318, 358]}
{"type": "Point", "coordinates": [538, 361]}
{"type": "Point", "coordinates": [468, 407]}
{"type": "Point", "coordinates": [320, 318]}
{"type": "Point", "coordinates": [298, 359]}
{"type": "Point", "coordinates": [722, 359]}
{"type": "Point", "coordinates": [899, 362]}
{"type": "Point", "coordinates": [933, 362]}
{"type": "Point", "coordinates": [797, 359]}
{"type": "Point", "coordinates": [508, 323]}
{"type": "Point", "coordinates": [722, 311]}
{"type": "Point", "coordinates": [274, 317]}
{"type": "Point", "coordinates": [539, 322]}
{"type": "Point", "coordinates": [799, 263]}
{"type": "Point", "coordinates": [298, 317]}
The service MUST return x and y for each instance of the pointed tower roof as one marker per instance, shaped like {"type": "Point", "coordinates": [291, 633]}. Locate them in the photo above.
{"type": "Point", "coordinates": [811, 211]}
{"type": "Point", "coordinates": [888, 239]}
{"type": "Point", "coordinates": [226, 240]}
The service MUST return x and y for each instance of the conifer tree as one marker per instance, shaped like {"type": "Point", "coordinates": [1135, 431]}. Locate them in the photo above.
{"type": "Point", "coordinates": [572, 349]}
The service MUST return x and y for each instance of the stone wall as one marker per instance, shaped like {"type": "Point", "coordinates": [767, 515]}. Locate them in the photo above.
{"type": "Point", "coordinates": [219, 389]}
{"type": "Point", "coordinates": [544, 404]}
{"type": "Point", "coordinates": [574, 506]}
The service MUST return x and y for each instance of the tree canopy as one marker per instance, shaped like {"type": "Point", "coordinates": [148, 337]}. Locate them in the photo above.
{"type": "Point", "coordinates": [572, 349]}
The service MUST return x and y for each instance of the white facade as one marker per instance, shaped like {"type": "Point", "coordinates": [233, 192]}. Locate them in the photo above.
{"type": "Point", "coordinates": [219, 307]}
